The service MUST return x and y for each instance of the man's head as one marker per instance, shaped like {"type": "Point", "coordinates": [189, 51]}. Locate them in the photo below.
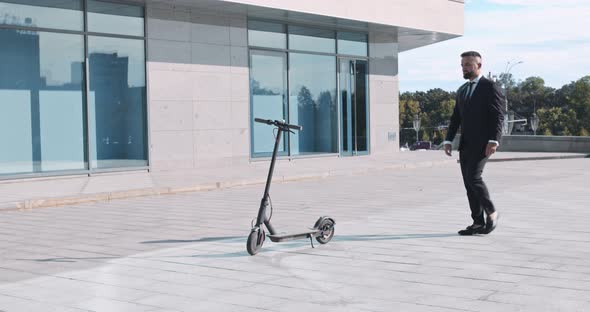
{"type": "Point", "coordinates": [471, 64]}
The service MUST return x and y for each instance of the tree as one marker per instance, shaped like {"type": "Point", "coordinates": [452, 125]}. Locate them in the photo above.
{"type": "Point", "coordinates": [579, 100]}
{"type": "Point", "coordinates": [529, 95]}
{"type": "Point", "coordinates": [506, 81]}
{"type": "Point", "coordinates": [565, 111]}
{"type": "Point", "coordinates": [408, 109]}
{"type": "Point", "coordinates": [557, 121]}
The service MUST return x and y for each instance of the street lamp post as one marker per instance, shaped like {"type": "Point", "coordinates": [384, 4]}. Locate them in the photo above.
{"type": "Point", "coordinates": [416, 123]}
{"type": "Point", "coordinates": [507, 70]}
{"type": "Point", "coordinates": [534, 123]}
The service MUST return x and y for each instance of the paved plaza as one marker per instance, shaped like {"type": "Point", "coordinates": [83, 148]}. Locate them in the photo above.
{"type": "Point", "coordinates": [395, 247]}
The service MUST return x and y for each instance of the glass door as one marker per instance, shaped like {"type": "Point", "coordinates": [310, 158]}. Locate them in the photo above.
{"type": "Point", "coordinates": [353, 86]}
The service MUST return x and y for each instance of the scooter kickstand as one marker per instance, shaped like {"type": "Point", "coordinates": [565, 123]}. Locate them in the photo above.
{"type": "Point", "coordinates": [311, 240]}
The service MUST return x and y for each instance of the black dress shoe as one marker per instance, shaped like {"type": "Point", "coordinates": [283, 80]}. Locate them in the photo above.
{"type": "Point", "coordinates": [473, 229]}
{"type": "Point", "coordinates": [491, 224]}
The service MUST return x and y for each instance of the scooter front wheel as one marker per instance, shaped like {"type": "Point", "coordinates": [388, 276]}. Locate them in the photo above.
{"type": "Point", "coordinates": [326, 228]}
{"type": "Point", "coordinates": [255, 241]}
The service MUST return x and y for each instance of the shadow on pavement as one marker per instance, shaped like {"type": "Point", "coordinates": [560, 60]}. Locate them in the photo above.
{"type": "Point", "coordinates": [389, 237]}
{"type": "Point", "coordinates": [204, 239]}
{"type": "Point", "coordinates": [273, 247]}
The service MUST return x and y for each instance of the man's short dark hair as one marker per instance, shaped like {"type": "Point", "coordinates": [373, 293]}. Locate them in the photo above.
{"type": "Point", "coordinates": [471, 53]}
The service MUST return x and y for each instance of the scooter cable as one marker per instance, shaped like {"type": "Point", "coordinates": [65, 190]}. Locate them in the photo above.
{"type": "Point", "coordinates": [269, 217]}
{"type": "Point", "coordinates": [270, 204]}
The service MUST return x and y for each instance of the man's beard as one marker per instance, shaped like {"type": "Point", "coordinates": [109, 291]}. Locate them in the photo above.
{"type": "Point", "coordinates": [468, 75]}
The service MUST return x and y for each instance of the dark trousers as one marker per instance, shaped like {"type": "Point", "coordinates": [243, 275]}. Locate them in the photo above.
{"type": "Point", "coordinates": [477, 192]}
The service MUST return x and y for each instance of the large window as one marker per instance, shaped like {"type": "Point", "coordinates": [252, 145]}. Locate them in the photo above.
{"type": "Point", "coordinates": [117, 102]}
{"type": "Point", "coordinates": [311, 39]}
{"type": "Point", "coordinates": [115, 18]}
{"type": "Point", "coordinates": [57, 14]}
{"type": "Point", "coordinates": [48, 121]}
{"type": "Point", "coordinates": [305, 91]}
{"type": "Point", "coordinates": [269, 35]}
{"type": "Point", "coordinates": [312, 98]}
{"type": "Point", "coordinates": [268, 88]}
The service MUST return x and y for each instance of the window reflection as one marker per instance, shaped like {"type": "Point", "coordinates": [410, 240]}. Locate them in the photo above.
{"type": "Point", "coordinates": [267, 84]}
{"type": "Point", "coordinates": [269, 35]}
{"type": "Point", "coordinates": [58, 14]}
{"type": "Point", "coordinates": [117, 102]}
{"type": "Point", "coordinates": [352, 43]}
{"type": "Point", "coordinates": [311, 39]}
{"type": "Point", "coordinates": [312, 91]}
{"type": "Point", "coordinates": [41, 112]}
{"type": "Point", "coordinates": [115, 18]}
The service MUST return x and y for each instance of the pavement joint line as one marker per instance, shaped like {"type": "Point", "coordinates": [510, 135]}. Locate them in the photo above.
{"type": "Point", "coordinates": [533, 158]}
{"type": "Point", "coordinates": [29, 204]}
{"type": "Point", "coordinates": [540, 158]}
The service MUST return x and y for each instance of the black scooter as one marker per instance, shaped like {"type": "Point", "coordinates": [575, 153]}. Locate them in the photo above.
{"type": "Point", "coordinates": [322, 231]}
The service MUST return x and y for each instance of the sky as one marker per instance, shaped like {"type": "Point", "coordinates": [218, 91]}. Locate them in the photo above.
{"type": "Point", "coordinates": [550, 37]}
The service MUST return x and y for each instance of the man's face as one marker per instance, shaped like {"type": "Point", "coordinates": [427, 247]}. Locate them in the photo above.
{"type": "Point", "coordinates": [471, 66]}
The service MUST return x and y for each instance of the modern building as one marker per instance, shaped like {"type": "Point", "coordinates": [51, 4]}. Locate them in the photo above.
{"type": "Point", "coordinates": [90, 86]}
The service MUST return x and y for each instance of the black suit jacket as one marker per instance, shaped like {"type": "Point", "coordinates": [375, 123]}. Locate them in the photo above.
{"type": "Point", "coordinates": [481, 118]}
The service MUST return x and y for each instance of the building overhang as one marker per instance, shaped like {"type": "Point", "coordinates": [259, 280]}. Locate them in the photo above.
{"type": "Point", "coordinates": [413, 23]}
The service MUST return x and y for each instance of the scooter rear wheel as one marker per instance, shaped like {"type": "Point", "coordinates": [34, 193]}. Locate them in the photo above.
{"type": "Point", "coordinates": [255, 241]}
{"type": "Point", "coordinates": [326, 228]}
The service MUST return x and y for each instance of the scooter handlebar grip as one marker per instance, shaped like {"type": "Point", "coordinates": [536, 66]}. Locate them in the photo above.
{"type": "Point", "coordinates": [266, 121]}
{"type": "Point", "coordinates": [296, 127]}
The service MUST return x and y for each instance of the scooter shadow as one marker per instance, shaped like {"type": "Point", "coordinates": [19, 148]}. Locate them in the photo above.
{"type": "Point", "coordinates": [200, 240]}
{"type": "Point", "coordinates": [302, 242]}
{"type": "Point", "coordinates": [268, 248]}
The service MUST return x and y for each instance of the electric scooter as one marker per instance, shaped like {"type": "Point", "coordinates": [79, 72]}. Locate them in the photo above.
{"type": "Point", "coordinates": [322, 231]}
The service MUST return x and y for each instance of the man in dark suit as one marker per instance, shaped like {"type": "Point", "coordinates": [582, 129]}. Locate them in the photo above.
{"type": "Point", "coordinates": [479, 110]}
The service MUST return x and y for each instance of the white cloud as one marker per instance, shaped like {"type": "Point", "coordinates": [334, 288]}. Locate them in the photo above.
{"type": "Point", "coordinates": [553, 43]}
{"type": "Point", "coordinates": [529, 25]}
{"type": "Point", "coordinates": [540, 2]}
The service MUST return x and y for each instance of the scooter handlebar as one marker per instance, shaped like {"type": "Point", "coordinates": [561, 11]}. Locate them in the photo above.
{"type": "Point", "coordinates": [266, 121]}
{"type": "Point", "coordinates": [278, 123]}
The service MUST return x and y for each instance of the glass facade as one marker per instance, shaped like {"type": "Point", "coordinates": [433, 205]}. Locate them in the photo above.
{"type": "Point", "coordinates": [49, 122]}
{"type": "Point", "coordinates": [305, 92]}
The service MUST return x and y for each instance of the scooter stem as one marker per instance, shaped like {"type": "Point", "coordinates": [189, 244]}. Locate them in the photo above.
{"type": "Point", "coordinates": [264, 202]}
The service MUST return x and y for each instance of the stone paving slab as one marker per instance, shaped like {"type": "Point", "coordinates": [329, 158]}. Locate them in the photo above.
{"type": "Point", "coordinates": [395, 248]}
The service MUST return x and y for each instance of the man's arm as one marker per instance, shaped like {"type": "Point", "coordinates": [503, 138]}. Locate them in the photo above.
{"type": "Point", "coordinates": [453, 127]}
{"type": "Point", "coordinates": [496, 110]}
{"type": "Point", "coordinates": [454, 124]}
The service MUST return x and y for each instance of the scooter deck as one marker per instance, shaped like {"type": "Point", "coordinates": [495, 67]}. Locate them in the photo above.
{"type": "Point", "coordinates": [287, 237]}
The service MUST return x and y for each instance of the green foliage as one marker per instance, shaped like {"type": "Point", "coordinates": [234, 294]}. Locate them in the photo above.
{"type": "Point", "coordinates": [563, 111]}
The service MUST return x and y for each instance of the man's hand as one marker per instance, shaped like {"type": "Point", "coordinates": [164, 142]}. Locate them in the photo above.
{"type": "Point", "coordinates": [490, 149]}
{"type": "Point", "coordinates": [448, 149]}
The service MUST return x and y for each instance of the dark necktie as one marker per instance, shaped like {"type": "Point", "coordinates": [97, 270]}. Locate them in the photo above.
{"type": "Point", "coordinates": [469, 90]}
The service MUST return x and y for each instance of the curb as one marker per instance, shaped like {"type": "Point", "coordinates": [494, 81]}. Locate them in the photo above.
{"type": "Point", "coordinates": [537, 158]}
{"type": "Point", "coordinates": [30, 204]}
